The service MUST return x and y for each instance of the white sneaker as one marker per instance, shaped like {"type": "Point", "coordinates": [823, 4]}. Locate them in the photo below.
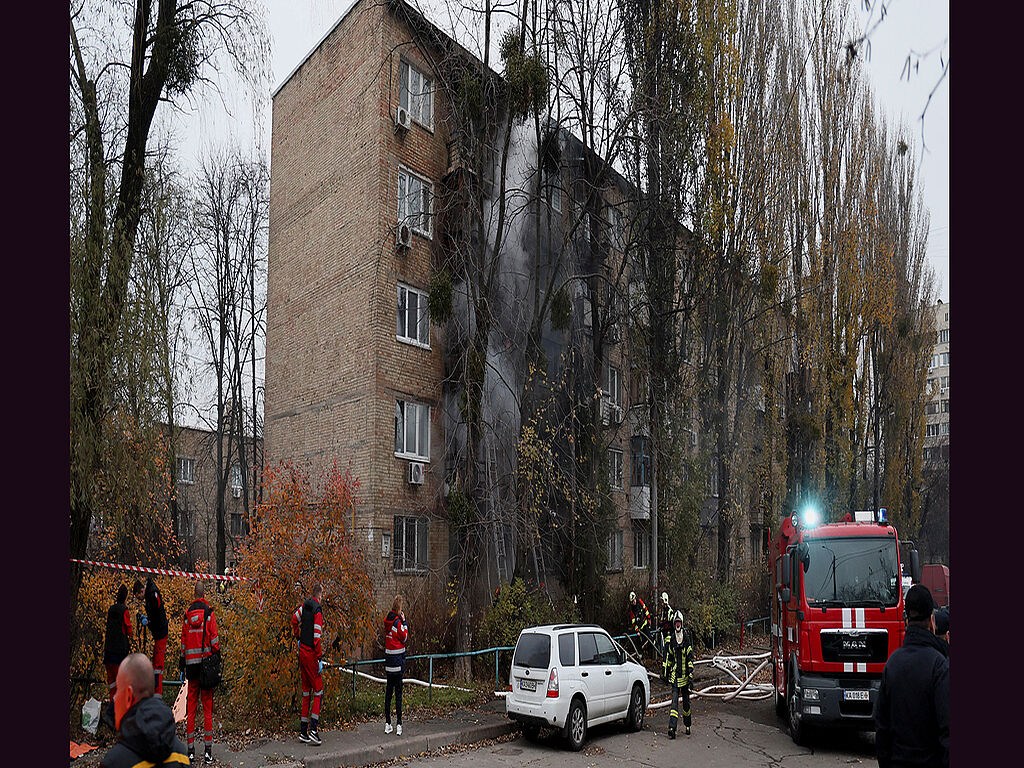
{"type": "Point", "coordinates": [388, 728]}
{"type": "Point", "coordinates": [398, 729]}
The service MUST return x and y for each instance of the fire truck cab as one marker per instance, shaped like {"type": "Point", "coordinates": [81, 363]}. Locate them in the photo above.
{"type": "Point", "coordinates": [837, 614]}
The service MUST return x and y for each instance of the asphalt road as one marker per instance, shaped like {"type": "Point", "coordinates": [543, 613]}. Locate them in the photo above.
{"type": "Point", "coordinates": [724, 735]}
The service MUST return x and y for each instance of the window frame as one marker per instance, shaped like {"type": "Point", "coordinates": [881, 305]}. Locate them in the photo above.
{"type": "Point", "coordinates": [406, 69]}
{"type": "Point", "coordinates": [612, 452]}
{"type": "Point", "coordinates": [419, 216]}
{"type": "Point", "coordinates": [406, 454]}
{"type": "Point", "coordinates": [641, 554]}
{"type": "Point", "coordinates": [616, 542]}
{"type": "Point", "coordinates": [399, 549]}
{"type": "Point", "coordinates": [422, 311]}
{"type": "Point", "coordinates": [188, 461]}
{"type": "Point", "coordinates": [235, 486]}
{"type": "Point", "coordinates": [613, 379]}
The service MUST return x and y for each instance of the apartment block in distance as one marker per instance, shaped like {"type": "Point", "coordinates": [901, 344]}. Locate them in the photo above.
{"type": "Point", "coordinates": [936, 439]}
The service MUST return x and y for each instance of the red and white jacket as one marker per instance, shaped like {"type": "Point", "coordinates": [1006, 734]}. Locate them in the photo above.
{"type": "Point", "coordinates": [198, 638]}
{"type": "Point", "coordinates": [396, 632]}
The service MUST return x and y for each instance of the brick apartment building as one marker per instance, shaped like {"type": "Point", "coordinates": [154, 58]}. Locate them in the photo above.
{"type": "Point", "coordinates": [196, 475]}
{"type": "Point", "coordinates": [355, 369]}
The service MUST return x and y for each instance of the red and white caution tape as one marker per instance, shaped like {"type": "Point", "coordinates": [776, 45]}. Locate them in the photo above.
{"type": "Point", "coordinates": [159, 571]}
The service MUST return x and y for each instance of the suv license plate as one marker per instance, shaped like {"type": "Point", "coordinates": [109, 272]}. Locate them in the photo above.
{"type": "Point", "coordinates": [528, 685]}
{"type": "Point", "coordinates": [857, 695]}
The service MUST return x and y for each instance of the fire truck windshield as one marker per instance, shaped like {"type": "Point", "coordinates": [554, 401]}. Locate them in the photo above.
{"type": "Point", "coordinates": [851, 571]}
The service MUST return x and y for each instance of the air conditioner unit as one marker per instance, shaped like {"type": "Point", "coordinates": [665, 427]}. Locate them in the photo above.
{"type": "Point", "coordinates": [403, 236]}
{"type": "Point", "coordinates": [403, 119]}
{"type": "Point", "coordinates": [415, 473]}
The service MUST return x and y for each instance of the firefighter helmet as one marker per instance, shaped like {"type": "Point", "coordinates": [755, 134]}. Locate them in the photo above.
{"type": "Point", "coordinates": [664, 597]}
{"type": "Point", "coordinates": [632, 597]}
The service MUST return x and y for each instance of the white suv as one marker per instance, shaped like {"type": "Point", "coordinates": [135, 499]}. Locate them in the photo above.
{"type": "Point", "coordinates": [573, 676]}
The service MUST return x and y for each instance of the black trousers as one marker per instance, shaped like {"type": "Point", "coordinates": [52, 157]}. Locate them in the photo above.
{"type": "Point", "coordinates": [674, 714]}
{"type": "Point", "coordinates": [394, 685]}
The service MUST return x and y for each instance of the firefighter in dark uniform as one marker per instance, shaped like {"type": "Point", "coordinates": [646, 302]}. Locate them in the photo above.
{"type": "Point", "coordinates": [156, 620]}
{"type": "Point", "coordinates": [307, 627]}
{"type": "Point", "coordinates": [117, 644]}
{"type": "Point", "coordinates": [679, 672]}
{"type": "Point", "coordinates": [665, 614]}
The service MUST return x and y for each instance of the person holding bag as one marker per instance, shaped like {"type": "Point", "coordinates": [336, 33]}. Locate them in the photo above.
{"type": "Point", "coordinates": [200, 661]}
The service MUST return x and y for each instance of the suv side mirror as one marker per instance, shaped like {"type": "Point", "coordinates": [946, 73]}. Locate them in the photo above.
{"type": "Point", "coordinates": [785, 573]}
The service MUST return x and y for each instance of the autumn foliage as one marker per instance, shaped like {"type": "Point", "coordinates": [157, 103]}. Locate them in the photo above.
{"type": "Point", "coordinates": [299, 536]}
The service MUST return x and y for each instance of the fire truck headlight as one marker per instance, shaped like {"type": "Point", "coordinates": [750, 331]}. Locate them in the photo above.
{"type": "Point", "coordinates": [810, 517]}
{"type": "Point", "coordinates": [811, 694]}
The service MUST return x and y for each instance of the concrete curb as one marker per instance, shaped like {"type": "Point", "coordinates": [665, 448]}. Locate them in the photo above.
{"type": "Point", "coordinates": [408, 746]}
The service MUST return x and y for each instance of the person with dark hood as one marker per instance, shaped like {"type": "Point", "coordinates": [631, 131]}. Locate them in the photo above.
{"type": "Point", "coordinates": [912, 707]}
{"type": "Point", "coordinates": [156, 620]}
{"type": "Point", "coordinates": [145, 724]}
{"type": "Point", "coordinates": [679, 672]}
{"type": "Point", "coordinates": [117, 644]}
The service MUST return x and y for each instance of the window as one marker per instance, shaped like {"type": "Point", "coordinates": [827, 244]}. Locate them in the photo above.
{"type": "Point", "coordinates": [641, 464]}
{"type": "Point", "coordinates": [615, 233]}
{"type": "Point", "coordinates": [416, 94]}
{"type": "Point", "coordinates": [944, 336]}
{"type": "Point", "coordinates": [944, 358]}
{"type": "Point", "coordinates": [614, 386]}
{"type": "Point", "coordinates": [641, 545]}
{"type": "Point", "coordinates": [385, 545]}
{"type": "Point", "coordinates": [614, 551]}
{"type": "Point", "coordinates": [236, 478]}
{"type": "Point", "coordinates": [945, 406]}
{"type": "Point", "coordinates": [588, 648]}
{"type": "Point", "coordinates": [412, 322]}
{"type": "Point", "coordinates": [567, 649]}
{"type": "Point", "coordinates": [237, 527]}
{"type": "Point", "coordinates": [410, 543]}
{"type": "Point", "coordinates": [944, 428]}
{"type": "Point", "coordinates": [533, 650]}
{"type": "Point", "coordinates": [944, 384]}
{"type": "Point", "coordinates": [414, 201]}
{"type": "Point", "coordinates": [615, 468]}
{"type": "Point", "coordinates": [412, 430]}
{"type": "Point", "coordinates": [930, 384]}
{"type": "Point", "coordinates": [550, 186]}
{"type": "Point", "coordinates": [931, 408]}
{"type": "Point", "coordinates": [186, 471]}
{"type": "Point", "coordinates": [931, 430]}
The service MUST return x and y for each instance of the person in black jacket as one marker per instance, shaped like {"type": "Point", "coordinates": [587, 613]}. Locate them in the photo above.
{"type": "Point", "coordinates": [942, 628]}
{"type": "Point", "coordinates": [156, 620]}
{"type": "Point", "coordinates": [145, 724]}
{"type": "Point", "coordinates": [117, 644]}
{"type": "Point", "coordinates": [912, 708]}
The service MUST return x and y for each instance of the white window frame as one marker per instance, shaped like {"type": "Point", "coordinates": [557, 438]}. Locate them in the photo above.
{"type": "Point", "coordinates": [422, 337]}
{"type": "Point", "coordinates": [415, 219]}
{"type": "Point", "coordinates": [931, 430]}
{"type": "Point", "coordinates": [615, 455]}
{"type": "Point", "coordinates": [236, 475]}
{"type": "Point", "coordinates": [183, 462]}
{"type": "Point", "coordinates": [414, 96]}
{"type": "Point", "coordinates": [614, 382]}
{"type": "Point", "coordinates": [420, 561]}
{"type": "Point", "coordinates": [641, 553]}
{"type": "Point", "coordinates": [402, 410]}
{"type": "Point", "coordinates": [615, 541]}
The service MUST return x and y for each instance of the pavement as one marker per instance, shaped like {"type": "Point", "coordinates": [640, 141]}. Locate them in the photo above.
{"type": "Point", "coordinates": [367, 743]}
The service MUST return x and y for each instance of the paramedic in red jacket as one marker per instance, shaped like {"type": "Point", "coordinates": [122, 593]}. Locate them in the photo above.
{"type": "Point", "coordinates": [396, 632]}
{"type": "Point", "coordinates": [198, 640]}
{"type": "Point", "coordinates": [307, 626]}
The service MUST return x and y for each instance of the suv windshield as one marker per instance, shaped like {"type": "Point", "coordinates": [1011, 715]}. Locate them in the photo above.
{"type": "Point", "coordinates": [532, 650]}
{"type": "Point", "coordinates": [852, 571]}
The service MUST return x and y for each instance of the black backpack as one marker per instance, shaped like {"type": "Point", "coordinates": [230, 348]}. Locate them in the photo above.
{"type": "Point", "coordinates": [210, 673]}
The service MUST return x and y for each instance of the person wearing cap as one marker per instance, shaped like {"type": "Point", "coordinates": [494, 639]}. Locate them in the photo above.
{"type": "Point", "coordinates": [912, 707]}
{"type": "Point", "coordinates": [942, 628]}
{"type": "Point", "coordinates": [679, 672]}
{"type": "Point", "coordinates": [640, 617]}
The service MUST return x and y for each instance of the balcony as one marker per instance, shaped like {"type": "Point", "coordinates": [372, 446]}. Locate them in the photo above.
{"type": "Point", "coordinates": [640, 502]}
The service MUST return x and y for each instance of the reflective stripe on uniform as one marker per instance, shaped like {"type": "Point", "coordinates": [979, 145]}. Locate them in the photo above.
{"type": "Point", "coordinates": [393, 651]}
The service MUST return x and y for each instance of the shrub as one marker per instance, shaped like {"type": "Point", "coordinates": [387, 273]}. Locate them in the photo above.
{"type": "Point", "coordinates": [515, 609]}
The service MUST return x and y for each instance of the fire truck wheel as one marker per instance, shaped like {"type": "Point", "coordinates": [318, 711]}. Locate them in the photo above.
{"type": "Point", "coordinates": [797, 729]}
{"type": "Point", "coordinates": [780, 702]}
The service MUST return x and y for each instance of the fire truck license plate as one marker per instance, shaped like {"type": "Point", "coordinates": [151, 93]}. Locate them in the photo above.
{"type": "Point", "coordinates": [528, 685]}
{"type": "Point", "coordinates": [857, 695]}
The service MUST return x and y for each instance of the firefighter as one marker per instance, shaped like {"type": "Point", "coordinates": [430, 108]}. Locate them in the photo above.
{"type": "Point", "coordinates": [307, 627]}
{"type": "Point", "coordinates": [198, 640]}
{"type": "Point", "coordinates": [396, 633]}
{"type": "Point", "coordinates": [156, 620]}
{"type": "Point", "coordinates": [679, 672]}
{"type": "Point", "coordinates": [640, 618]}
{"type": "Point", "coordinates": [665, 614]}
{"type": "Point", "coordinates": [117, 644]}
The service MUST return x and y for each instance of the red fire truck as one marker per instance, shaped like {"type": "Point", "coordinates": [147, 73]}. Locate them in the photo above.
{"type": "Point", "coordinates": [837, 614]}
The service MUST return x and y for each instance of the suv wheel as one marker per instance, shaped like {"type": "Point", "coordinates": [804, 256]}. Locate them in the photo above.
{"type": "Point", "coordinates": [576, 725]}
{"type": "Point", "coordinates": [637, 709]}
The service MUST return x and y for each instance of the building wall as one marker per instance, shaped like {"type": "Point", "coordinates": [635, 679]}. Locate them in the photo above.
{"type": "Point", "coordinates": [937, 408]}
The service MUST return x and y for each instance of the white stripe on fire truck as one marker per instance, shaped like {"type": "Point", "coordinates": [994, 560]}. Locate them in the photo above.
{"type": "Point", "coordinates": [847, 624]}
